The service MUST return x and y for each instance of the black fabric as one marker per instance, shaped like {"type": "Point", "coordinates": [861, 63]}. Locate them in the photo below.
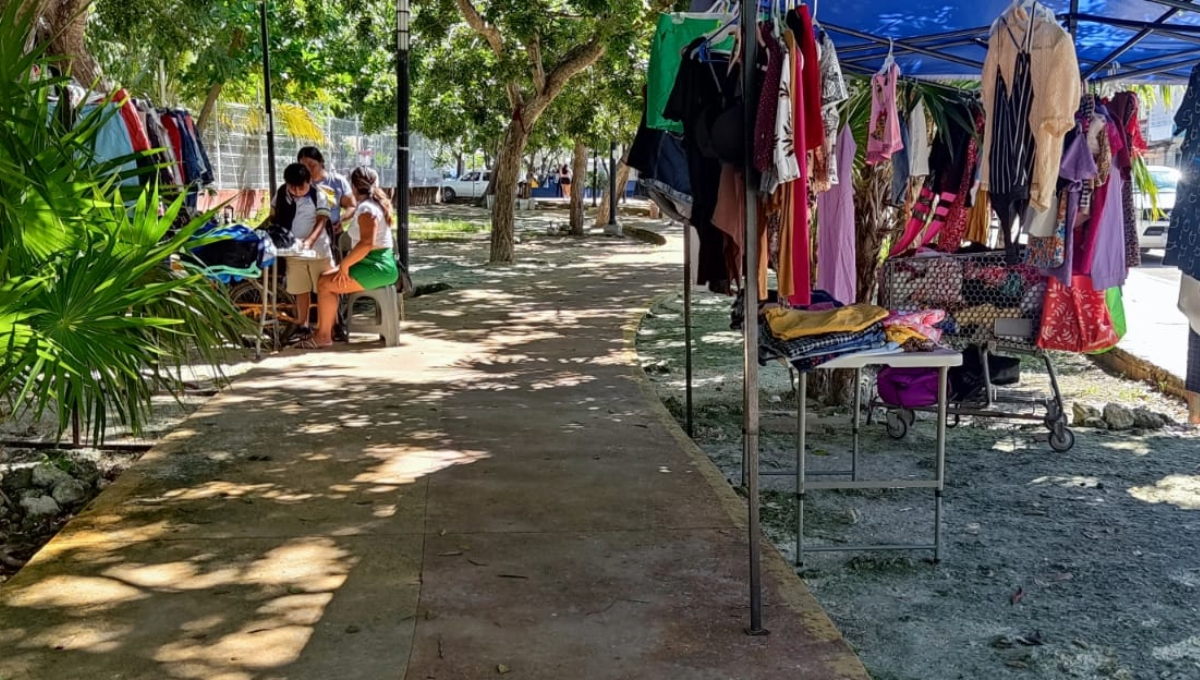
{"type": "Point", "coordinates": [1193, 366]}
{"type": "Point", "coordinates": [1183, 236]}
{"type": "Point", "coordinates": [1011, 162]}
{"type": "Point", "coordinates": [696, 101]}
{"type": "Point", "coordinates": [228, 253]}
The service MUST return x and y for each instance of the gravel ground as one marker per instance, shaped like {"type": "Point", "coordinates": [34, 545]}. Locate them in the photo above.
{"type": "Point", "coordinates": [1055, 565]}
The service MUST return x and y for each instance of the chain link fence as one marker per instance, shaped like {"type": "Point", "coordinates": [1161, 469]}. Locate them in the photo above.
{"type": "Point", "coordinates": [237, 146]}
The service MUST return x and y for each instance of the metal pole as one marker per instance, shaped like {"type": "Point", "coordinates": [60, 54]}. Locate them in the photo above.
{"type": "Point", "coordinates": [687, 323]}
{"type": "Point", "coordinates": [266, 64]}
{"type": "Point", "coordinates": [611, 228]}
{"type": "Point", "coordinates": [595, 177]}
{"type": "Point", "coordinates": [1128, 45]}
{"type": "Point", "coordinates": [270, 287]}
{"type": "Point", "coordinates": [402, 150]}
{"type": "Point", "coordinates": [750, 323]}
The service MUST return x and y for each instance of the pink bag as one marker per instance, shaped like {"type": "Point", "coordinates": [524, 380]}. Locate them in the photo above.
{"type": "Point", "coordinates": [908, 387]}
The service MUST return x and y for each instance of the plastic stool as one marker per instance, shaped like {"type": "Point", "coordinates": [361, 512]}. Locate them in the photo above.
{"type": "Point", "coordinates": [389, 310]}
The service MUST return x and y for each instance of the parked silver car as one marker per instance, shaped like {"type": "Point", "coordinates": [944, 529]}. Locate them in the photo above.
{"type": "Point", "coordinates": [1152, 224]}
{"type": "Point", "coordinates": [470, 185]}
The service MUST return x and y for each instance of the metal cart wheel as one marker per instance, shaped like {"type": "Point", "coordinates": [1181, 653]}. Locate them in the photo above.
{"type": "Point", "coordinates": [909, 416]}
{"type": "Point", "coordinates": [953, 420]}
{"type": "Point", "coordinates": [897, 428]}
{"type": "Point", "coordinates": [1062, 440]}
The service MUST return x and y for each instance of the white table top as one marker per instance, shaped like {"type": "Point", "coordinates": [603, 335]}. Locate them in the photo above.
{"type": "Point", "coordinates": [935, 359]}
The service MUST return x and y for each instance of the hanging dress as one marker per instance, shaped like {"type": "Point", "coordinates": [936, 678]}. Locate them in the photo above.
{"type": "Point", "coordinates": [1011, 159]}
{"type": "Point", "coordinates": [883, 138]}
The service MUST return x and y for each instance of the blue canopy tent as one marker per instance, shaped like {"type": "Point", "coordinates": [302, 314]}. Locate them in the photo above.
{"type": "Point", "coordinates": [1146, 41]}
{"type": "Point", "coordinates": [1125, 40]}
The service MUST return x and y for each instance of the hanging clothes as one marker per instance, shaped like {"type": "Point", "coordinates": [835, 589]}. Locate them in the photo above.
{"type": "Point", "coordinates": [952, 235]}
{"type": "Point", "coordinates": [979, 219]}
{"type": "Point", "coordinates": [1124, 109]}
{"type": "Point", "coordinates": [1012, 144]}
{"type": "Point", "coordinates": [795, 272]}
{"type": "Point", "coordinates": [810, 80]}
{"type": "Point", "coordinates": [883, 137]}
{"type": "Point", "coordinates": [703, 96]}
{"type": "Point", "coordinates": [1108, 263]}
{"type": "Point", "coordinates": [768, 107]}
{"type": "Point", "coordinates": [918, 141]}
{"type": "Point", "coordinates": [833, 93]}
{"type": "Point", "coordinates": [1053, 73]}
{"type": "Point", "coordinates": [673, 32]}
{"type": "Point", "coordinates": [900, 169]}
{"type": "Point", "coordinates": [837, 266]}
{"type": "Point", "coordinates": [1078, 167]}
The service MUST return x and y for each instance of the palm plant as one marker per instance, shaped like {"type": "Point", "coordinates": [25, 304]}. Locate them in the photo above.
{"type": "Point", "coordinates": [93, 317]}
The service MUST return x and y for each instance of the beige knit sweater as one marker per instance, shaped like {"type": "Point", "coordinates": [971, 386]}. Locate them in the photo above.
{"type": "Point", "coordinates": [1054, 70]}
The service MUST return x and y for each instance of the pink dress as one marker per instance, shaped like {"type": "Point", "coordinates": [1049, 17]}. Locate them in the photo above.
{"type": "Point", "coordinates": [884, 139]}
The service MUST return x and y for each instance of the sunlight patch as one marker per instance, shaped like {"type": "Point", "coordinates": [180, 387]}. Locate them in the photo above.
{"type": "Point", "coordinates": [1182, 491]}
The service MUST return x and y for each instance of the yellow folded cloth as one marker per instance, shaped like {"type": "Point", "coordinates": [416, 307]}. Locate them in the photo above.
{"type": "Point", "coordinates": [902, 334]}
{"type": "Point", "coordinates": [789, 324]}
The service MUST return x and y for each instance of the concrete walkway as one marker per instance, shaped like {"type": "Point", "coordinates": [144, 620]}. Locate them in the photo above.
{"type": "Point", "coordinates": [1157, 330]}
{"type": "Point", "coordinates": [498, 497]}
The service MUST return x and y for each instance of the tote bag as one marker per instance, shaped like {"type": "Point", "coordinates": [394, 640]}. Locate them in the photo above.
{"type": "Point", "coordinates": [1076, 319]}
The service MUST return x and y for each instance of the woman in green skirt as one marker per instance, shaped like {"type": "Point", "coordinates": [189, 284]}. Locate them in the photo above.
{"type": "Point", "coordinates": [370, 262]}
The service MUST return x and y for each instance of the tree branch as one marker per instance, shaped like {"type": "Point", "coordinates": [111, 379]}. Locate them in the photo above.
{"type": "Point", "coordinates": [574, 61]}
{"type": "Point", "coordinates": [477, 23]}
{"type": "Point", "coordinates": [534, 49]}
{"type": "Point", "coordinates": [492, 34]}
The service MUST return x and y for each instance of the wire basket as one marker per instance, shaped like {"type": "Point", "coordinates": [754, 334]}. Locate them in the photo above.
{"type": "Point", "coordinates": [987, 301]}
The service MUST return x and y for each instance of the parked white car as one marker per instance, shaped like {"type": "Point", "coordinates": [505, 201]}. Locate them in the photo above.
{"type": "Point", "coordinates": [1152, 225]}
{"type": "Point", "coordinates": [470, 185]}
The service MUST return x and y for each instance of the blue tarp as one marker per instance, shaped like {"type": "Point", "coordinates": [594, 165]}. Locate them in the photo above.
{"type": "Point", "coordinates": [1127, 40]}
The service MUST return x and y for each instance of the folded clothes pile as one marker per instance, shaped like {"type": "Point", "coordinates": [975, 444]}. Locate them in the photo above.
{"type": "Point", "coordinates": [821, 332]}
{"type": "Point", "coordinates": [919, 331]}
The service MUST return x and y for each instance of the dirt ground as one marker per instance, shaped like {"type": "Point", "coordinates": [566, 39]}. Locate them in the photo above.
{"type": "Point", "coordinates": [1055, 565]}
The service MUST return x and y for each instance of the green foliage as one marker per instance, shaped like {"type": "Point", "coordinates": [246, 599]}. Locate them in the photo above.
{"type": "Point", "coordinates": [92, 317]}
{"type": "Point", "coordinates": [334, 54]}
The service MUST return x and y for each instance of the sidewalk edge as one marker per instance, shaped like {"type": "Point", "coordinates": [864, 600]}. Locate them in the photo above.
{"type": "Point", "coordinates": [792, 589]}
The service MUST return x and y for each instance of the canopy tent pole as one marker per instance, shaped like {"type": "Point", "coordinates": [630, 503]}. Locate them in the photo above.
{"type": "Point", "coordinates": [1129, 44]}
{"type": "Point", "coordinates": [904, 46]}
{"type": "Point", "coordinates": [687, 325]}
{"type": "Point", "coordinates": [402, 150]}
{"type": "Point", "coordinates": [270, 286]}
{"type": "Point", "coordinates": [749, 21]}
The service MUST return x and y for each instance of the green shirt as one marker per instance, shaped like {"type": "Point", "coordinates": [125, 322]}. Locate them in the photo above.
{"type": "Point", "coordinates": [673, 33]}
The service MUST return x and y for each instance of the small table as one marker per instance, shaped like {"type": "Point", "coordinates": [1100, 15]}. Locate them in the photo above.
{"type": "Point", "coordinates": [942, 360]}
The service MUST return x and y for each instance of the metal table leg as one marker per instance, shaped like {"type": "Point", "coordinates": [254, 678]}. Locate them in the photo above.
{"type": "Point", "coordinates": [943, 373]}
{"type": "Point", "coordinates": [801, 442]}
{"type": "Point", "coordinates": [855, 427]}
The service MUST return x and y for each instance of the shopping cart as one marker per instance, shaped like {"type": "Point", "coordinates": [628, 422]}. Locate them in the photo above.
{"type": "Point", "coordinates": [992, 307]}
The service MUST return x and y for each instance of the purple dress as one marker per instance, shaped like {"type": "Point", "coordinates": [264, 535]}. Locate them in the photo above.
{"type": "Point", "coordinates": [836, 266]}
{"type": "Point", "coordinates": [1077, 167]}
{"type": "Point", "coordinates": [1108, 263]}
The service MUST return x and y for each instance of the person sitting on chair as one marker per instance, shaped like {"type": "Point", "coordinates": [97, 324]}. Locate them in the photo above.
{"type": "Point", "coordinates": [369, 264]}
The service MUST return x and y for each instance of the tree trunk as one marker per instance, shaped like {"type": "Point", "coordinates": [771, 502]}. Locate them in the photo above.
{"type": "Point", "coordinates": [622, 180]}
{"type": "Point", "coordinates": [578, 184]}
{"type": "Point", "coordinates": [210, 106]}
{"type": "Point", "coordinates": [65, 24]}
{"type": "Point", "coordinates": [505, 176]}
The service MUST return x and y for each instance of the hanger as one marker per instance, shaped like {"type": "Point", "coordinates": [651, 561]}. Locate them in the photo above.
{"type": "Point", "coordinates": [718, 35]}
{"type": "Point", "coordinates": [891, 59]}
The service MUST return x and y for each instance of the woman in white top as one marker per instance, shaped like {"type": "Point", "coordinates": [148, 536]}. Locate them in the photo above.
{"type": "Point", "coordinates": [369, 264]}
